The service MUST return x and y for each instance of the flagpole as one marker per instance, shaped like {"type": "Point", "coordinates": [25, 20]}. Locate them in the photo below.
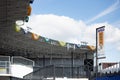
{"type": "Point", "coordinates": [97, 50]}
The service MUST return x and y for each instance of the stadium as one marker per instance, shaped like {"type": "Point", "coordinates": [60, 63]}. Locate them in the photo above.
{"type": "Point", "coordinates": [27, 56]}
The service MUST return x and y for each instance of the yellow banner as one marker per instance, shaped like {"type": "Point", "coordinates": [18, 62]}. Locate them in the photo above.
{"type": "Point", "coordinates": [17, 28]}
{"type": "Point", "coordinates": [91, 47]}
{"type": "Point", "coordinates": [62, 43]}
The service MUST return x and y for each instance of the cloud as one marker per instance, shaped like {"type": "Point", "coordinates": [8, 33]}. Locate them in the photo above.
{"type": "Point", "coordinates": [116, 23]}
{"type": "Point", "coordinates": [106, 11]}
{"type": "Point", "coordinates": [118, 48]}
{"type": "Point", "coordinates": [57, 27]}
{"type": "Point", "coordinates": [69, 30]}
{"type": "Point", "coordinates": [66, 29]}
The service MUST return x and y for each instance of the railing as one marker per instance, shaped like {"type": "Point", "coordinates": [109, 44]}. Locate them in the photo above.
{"type": "Point", "coordinates": [53, 71]}
{"type": "Point", "coordinates": [9, 65]}
{"type": "Point", "coordinates": [4, 65]}
{"type": "Point", "coordinates": [112, 69]}
{"type": "Point", "coordinates": [22, 61]}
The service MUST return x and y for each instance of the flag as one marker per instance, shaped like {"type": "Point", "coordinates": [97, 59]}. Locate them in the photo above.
{"type": "Point", "coordinates": [29, 9]}
{"type": "Point", "coordinates": [19, 22]}
{"type": "Point", "coordinates": [17, 28]}
{"type": "Point", "coordinates": [68, 46]}
{"type": "Point", "coordinates": [91, 47]}
{"type": "Point", "coordinates": [35, 36]}
{"type": "Point", "coordinates": [78, 45]}
{"type": "Point", "coordinates": [47, 40]}
{"type": "Point", "coordinates": [26, 19]}
{"type": "Point", "coordinates": [62, 43]}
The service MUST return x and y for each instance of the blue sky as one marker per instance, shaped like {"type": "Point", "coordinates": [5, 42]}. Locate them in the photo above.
{"type": "Point", "coordinates": [76, 20]}
{"type": "Point", "coordinates": [77, 9]}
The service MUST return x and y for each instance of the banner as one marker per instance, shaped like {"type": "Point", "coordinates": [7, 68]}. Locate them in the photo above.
{"type": "Point", "coordinates": [35, 36]}
{"type": "Point", "coordinates": [62, 43]}
{"type": "Point", "coordinates": [100, 39]}
{"type": "Point", "coordinates": [17, 28]}
{"type": "Point", "coordinates": [91, 47]}
{"type": "Point", "coordinates": [77, 45]}
{"type": "Point", "coordinates": [29, 9]}
{"type": "Point", "coordinates": [70, 45]}
{"type": "Point", "coordinates": [47, 39]}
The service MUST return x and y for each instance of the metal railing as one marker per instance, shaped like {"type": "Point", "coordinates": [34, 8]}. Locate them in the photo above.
{"type": "Point", "coordinates": [111, 69]}
{"type": "Point", "coordinates": [7, 62]}
{"type": "Point", "coordinates": [5, 65]}
{"type": "Point", "coordinates": [22, 61]}
{"type": "Point", "coordinates": [53, 71]}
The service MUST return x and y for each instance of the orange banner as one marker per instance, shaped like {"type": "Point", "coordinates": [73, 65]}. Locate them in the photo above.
{"type": "Point", "coordinates": [29, 9]}
{"type": "Point", "coordinates": [35, 36]}
{"type": "Point", "coordinates": [101, 38]}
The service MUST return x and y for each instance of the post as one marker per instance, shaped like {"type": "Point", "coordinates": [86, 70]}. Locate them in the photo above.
{"type": "Point", "coordinates": [72, 63]}
{"type": "Point", "coordinates": [97, 49]}
{"type": "Point", "coordinates": [43, 60]}
{"type": "Point", "coordinates": [96, 56]}
{"type": "Point", "coordinates": [86, 66]}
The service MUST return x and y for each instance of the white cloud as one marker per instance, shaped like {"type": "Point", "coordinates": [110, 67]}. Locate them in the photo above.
{"type": "Point", "coordinates": [57, 27]}
{"type": "Point", "coordinates": [118, 48]}
{"type": "Point", "coordinates": [69, 30]}
{"type": "Point", "coordinates": [106, 11]}
{"type": "Point", "coordinates": [66, 29]}
{"type": "Point", "coordinates": [116, 24]}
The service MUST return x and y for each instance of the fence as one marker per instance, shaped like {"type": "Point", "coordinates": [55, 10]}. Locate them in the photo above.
{"type": "Point", "coordinates": [53, 71]}
{"type": "Point", "coordinates": [9, 66]}
{"type": "Point", "coordinates": [22, 61]}
{"type": "Point", "coordinates": [111, 70]}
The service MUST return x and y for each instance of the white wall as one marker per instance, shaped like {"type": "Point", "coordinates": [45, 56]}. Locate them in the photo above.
{"type": "Point", "coordinates": [71, 78]}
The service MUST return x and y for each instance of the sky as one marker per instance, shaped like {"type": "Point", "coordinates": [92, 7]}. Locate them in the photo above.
{"type": "Point", "coordinates": [76, 20]}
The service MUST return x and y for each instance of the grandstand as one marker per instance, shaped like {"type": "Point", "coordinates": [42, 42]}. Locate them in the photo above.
{"type": "Point", "coordinates": [46, 59]}
{"type": "Point", "coordinates": [28, 56]}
